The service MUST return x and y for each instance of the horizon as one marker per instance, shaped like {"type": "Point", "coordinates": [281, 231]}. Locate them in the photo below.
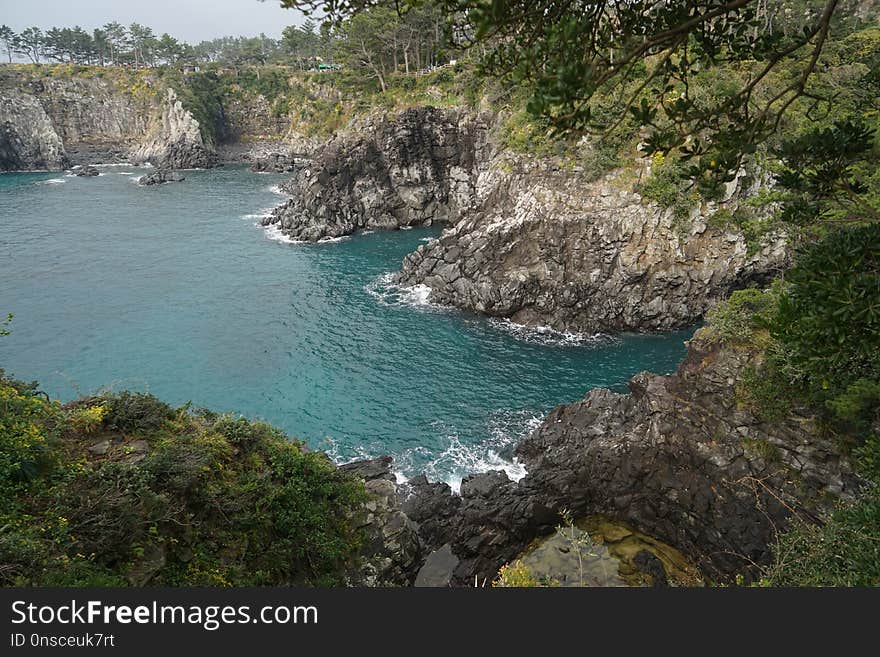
{"type": "Point", "coordinates": [191, 21]}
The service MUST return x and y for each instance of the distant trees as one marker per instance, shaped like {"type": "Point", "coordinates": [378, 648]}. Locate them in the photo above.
{"type": "Point", "coordinates": [9, 41]}
{"type": "Point", "coordinates": [376, 42]}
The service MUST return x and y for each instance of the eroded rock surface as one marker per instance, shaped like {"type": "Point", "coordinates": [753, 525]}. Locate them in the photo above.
{"type": "Point", "coordinates": [677, 458]}
{"type": "Point", "coordinates": [544, 247]}
{"type": "Point", "coordinates": [416, 168]}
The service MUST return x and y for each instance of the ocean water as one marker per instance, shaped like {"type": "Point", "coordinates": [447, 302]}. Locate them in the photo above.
{"type": "Point", "coordinates": [176, 290]}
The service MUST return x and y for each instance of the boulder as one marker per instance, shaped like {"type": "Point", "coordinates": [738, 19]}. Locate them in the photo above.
{"type": "Point", "coordinates": [160, 177]}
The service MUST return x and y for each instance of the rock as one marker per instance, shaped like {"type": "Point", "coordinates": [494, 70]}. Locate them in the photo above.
{"type": "Point", "coordinates": [438, 568]}
{"type": "Point", "coordinates": [379, 468]}
{"type": "Point", "coordinates": [145, 568]}
{"type": "Point", "coordinates": [392, 553]}
{"type": "Point", "coordinates": [545, 246]}
{"type": "Point", "coordinates": [650, 564]}
{"type": "Point", "coordinates": [28, 139]}
{"type": "Point", "coordinates": [671, 459]}
{"type": "Point", "coordinates": [160, 177]}
{"type": "Point", "coordinates": [277, 161]}
{"type": "Point", "coordinates": [86, 171]}
{"type": "Point", "coordinates": [415, 168]}
{"type": "Point", "coordinates": [101, 448]}
{"type": "Point", "coordinates": [174, 139]}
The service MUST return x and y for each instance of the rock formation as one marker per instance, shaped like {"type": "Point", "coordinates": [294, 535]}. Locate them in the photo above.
{"type": "Point", "coordinates": [545, 247]}
{"type": "Point", "coordinates": [174, 140]}
{"type": "Point", "coordinates": [160, 176]}
{"type": "Point", "coordinates": [676, 458]}
{"type": "Point", "coordinates": [28, 140]}
{"type": "Point", "coordinates": [416, 168]}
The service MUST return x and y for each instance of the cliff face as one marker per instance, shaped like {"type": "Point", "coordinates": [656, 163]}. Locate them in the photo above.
{"type": "Point", "coordinates": [544, 246]}
{"type": "Point", "coordinates": [174, 139]}
{"type": "Point", "coordinates": [28, 140]}
{"type": "Point", "coordinates": [677, 458]}
{"type": "Point", "coordinates": [49, 122]}
{"type": "Point", "coordinates": [416, 168]}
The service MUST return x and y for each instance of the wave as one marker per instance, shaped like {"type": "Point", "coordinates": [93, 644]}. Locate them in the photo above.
{"type": "Point", "coordinates": [544, 335]}
{"type": "Point", "coordinates": [259, 214]}
{"type": "Point", "coordinates": [51, 181]}
{"type": "Point", "coordinates": [456, 458]}
{"type": "Point", "coordinates": [274, 233]}
{"type": "Point", "coordinates": [390, 293]}
{"type": "Point", "coordinates": [428, 240]}
{"type": "Point", "coordinates": [276, 189]}
{"type": "Point", "coordinates": [331, 240]}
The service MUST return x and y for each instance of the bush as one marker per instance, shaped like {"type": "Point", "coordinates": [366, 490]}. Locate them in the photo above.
{"type": "Point", "coordinates": [742, 315]}
{"type": "Point", "coordinates": [178, 498]}
{"type": "Point", "coordinates": [135, 412]}
{"type": "Point", "coordinates": [828, 319]}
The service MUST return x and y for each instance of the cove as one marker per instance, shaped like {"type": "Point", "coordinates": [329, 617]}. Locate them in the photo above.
{"type": "Point", "coordinates": [176, 291]}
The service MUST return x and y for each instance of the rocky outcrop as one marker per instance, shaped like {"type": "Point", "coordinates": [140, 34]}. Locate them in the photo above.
{"type": "Point", "coordinates": [86, 171]}
{"type": "Point", "coordinates": [28, 140]}
{"type": "Point", "coordinates": [415, 168]}
{"type": "Point", "coordinates": [677, 458]}
{"type": "Point", "coordinates": [160, 177]}
{"type": "Point", "coordinates": [175, 140]}
{"type": "Point", "coordinates": [49, 121]}
{"type": "Point", "coordinates": [392, 553]}
{"type": "Point", "coordinates": [546, 247]}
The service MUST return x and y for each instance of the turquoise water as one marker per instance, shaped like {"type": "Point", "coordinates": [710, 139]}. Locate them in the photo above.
{"type": "Point", "coordinates": [175, 290]}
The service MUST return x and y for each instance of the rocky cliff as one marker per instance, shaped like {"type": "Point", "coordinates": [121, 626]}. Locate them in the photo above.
{"type": "Point", "coordinates": [50, 121]}
{"type": "Point", "coordinates": [415, 168]}
{"type": "Point", "coordinates": [174, 139]}
{"type": "Point", "coordinates": [677, 458]}
{"type": "Point", "coordinates": [546, 246]}
{"type": "Point", "coordinates": [28, 140]}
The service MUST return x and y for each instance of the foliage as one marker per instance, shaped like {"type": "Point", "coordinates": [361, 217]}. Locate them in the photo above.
{"type": "Point", "coordinates": [745, 313]}
{"type": "Point", "coordinates": [515, 575]}
{"type": "Point", "coordinates": [176, 498]}
{"type": "Point", "coordinates": [828, 320]}
{"type": "Point", "coordinates": [844, 551]}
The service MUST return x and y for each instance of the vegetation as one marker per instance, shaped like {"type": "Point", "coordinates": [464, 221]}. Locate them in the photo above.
{"type": "Point", "coordinates": [122, 489]}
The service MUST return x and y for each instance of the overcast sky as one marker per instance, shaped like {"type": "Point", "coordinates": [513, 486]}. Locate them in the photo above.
{"type": "Point", "coordinates": [189, 20]}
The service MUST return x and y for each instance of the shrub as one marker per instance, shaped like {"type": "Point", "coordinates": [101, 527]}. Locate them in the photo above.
{"type": "Point", "coordinates": [737, 319]}
{"type": "Point", "coordinates": [828, 319]}
{"type": "Point", "coordinates": [135, 412]}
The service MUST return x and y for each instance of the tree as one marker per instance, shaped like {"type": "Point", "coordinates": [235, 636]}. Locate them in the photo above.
{"type": "Point", "coordinates": [30, 44]}
{"type": "Point", "coordinates": [9, 40]}
{"type": "Point", "coordinates": [116, 36]}
{"type": "Point", "coordinates": [363, 42]}
{"type": "Point", "coordinates": [645, 52]}
{"type": "Point", "coordinates": [143, 44]}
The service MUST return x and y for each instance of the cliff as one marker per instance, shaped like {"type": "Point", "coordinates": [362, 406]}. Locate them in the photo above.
{"type": "Point", "coordinates": [415, 168]}
{"type": "Point", "coordinates": [51, 118]}
{"type": "Point", "coordinates": [546, 246]}
{"type": "Point", "coordinates": [677, 458]}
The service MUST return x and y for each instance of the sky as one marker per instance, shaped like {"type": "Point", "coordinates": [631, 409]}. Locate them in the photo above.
{"type": "Point", "coordinates": [188, 20]}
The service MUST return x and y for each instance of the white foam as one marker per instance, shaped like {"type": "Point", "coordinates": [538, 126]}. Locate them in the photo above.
{"type": "Point", "coordinates": [276, 189]}
{"type": "Point", "coordinates": [406, 228]}
{"type": "Point", "coordinates": [455, 459]}
{"type": "Point", "coordinates": [51, 181]}
{"type": "Point", "coordinates": [367, 232]}
{"type": "Point", "coordinates": [329, 240]}
{"type": "Point", "coordinates": [546, 335]}
{"type": "Point", "coordinates": [125, 173]}
{"type": "Point", "coordinates": [428, 240]}
{"type": "Point", "coordinates": [389, 293]}
{"type": "Point", "coordinates": [274, 233]}
{"type": "Point", "coordinates": [259, 214]}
